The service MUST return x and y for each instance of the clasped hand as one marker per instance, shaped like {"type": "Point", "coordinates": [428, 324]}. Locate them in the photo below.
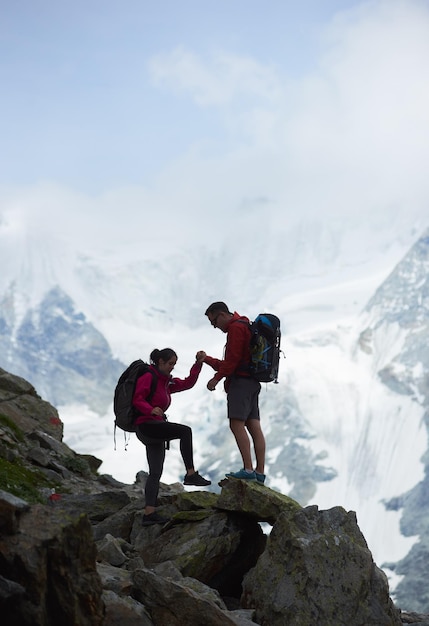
{"type": "Point", "coordinates": [200, 356]}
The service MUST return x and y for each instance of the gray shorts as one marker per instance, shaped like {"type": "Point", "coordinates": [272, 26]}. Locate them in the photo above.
{"type": "Point", "coordinates": [242, 398]}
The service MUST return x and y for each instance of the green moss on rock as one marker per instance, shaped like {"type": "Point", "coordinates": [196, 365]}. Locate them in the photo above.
{"type": "Point", "coordinates": [22, 482]}
{"type": "Point", "coordinates": [77, 465]}
{"type": "Point", "coordinates": [194, 500]}
{"type": "Point", "coordinates": [8, 423]}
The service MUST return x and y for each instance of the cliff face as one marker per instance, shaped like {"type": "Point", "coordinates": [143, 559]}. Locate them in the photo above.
{"type": "Point", "coordinates": [73, 550]}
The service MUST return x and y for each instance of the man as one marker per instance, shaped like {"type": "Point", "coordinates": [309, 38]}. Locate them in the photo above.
{"type": "Point", "coordinates": [242, 390]}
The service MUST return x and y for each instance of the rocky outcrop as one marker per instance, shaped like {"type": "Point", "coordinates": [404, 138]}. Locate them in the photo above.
{"type": "Point", "coordinates": [320, 571]}
{"type": "Point", "coordinates": [73, 550]}
{"type": "Point", "coordinates": [49, 564]}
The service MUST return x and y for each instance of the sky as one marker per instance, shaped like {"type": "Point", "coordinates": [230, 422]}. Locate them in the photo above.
{"type": "Point", "coordinates": [116, 113]}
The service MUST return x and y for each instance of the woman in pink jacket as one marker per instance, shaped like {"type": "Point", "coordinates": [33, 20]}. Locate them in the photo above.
{"type": "Point", "coordinates": [151, 400]}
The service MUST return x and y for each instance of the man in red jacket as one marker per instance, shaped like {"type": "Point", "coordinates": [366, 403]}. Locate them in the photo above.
{"type": "Point", "coordinates": [242, 390]}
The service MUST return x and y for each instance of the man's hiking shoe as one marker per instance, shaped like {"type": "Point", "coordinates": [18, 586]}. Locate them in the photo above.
{"type": "Point", "coordinates": [242, 474]}
{"type": "Point", "coordinates": [196, 480]}
{"type": "Point", "coordinates": [153, 518]}
{"type": "Point", "coordinates": [260, 478]}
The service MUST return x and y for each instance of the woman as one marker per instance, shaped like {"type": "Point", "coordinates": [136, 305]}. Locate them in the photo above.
{"type": "Point", "coordinates": [153, 429]}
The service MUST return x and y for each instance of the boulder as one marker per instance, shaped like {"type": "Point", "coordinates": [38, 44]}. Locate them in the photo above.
{"type": "Point", "coordinates": [175, 603]}
{"type": "Point", "coordinates": [52, 560]}
{"type": "Point", "coordinates": [317, 569]}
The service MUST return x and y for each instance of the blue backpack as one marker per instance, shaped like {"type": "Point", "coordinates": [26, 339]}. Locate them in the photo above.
{"type": "Point", "coordinates": [265, 348]}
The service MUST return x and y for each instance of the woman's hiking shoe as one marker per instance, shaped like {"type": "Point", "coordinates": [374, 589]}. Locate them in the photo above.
{"type": "Point", "coordinates": [196, 480]}
{"type": "Point", "coordinates": [260, 478]}
{"type": "Point", "coordinates": [242, 474]}
{"type": "Point", "coordinates": [153, 518]}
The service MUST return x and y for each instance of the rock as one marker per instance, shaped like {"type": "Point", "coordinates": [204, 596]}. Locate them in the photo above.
{"type": "Point", "coordinates": [99, 506]}
{"type": "Point", "coordinates": [124, 611]}
{"type": "Point", "coordinates": [255, 500]}
{"type": "Point", "coordinates": [115, 579]}
{"type": "Point", "coordinates": [216, 550]}
{"type": "Point", "coordinates": [318, 570]}
{"type": "Point", "coordinates": [175, 604]}
{"type": "Point", "coordinates": [21, 403]}
{"type": "Point", "coordinates": [109, 550]}
{"type": "Point", "coordinates": [53, 559]}
{"type": "Point", "coordinates": [10, 592]}
{"type": "Point", "coordinates": [415, 618]}
{"type": "Point", "coordinates": [120, 523]}
{"type": "Point", "coordinates": [11, 508]}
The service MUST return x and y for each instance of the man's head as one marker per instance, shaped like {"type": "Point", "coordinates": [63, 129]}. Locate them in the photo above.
{"type": "Point", "coordinates": [219, 315]}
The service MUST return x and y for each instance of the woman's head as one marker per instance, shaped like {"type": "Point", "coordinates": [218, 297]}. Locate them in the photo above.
{"type": "Point", "coordinates": [164, 360]}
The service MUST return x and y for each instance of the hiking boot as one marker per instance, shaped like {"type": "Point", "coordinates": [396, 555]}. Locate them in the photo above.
{"type": "Point", "coordinates": [242, 474]}
{"type": "Point", "coordinates": [196, 480]}
{"type": "Point", "coordinates": [153, 518]}
{"type": "Point", "coordinates": [260, 478]}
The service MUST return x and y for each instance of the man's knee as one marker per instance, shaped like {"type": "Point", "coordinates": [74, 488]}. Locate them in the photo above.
{"type": "Point", "coordinates": [236, 424]}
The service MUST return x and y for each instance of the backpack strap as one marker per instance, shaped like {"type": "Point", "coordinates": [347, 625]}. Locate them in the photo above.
{"type": "Point", "coordinates": [152, 389]}
{"type": "Point", "coordinates": [149, 398]}
{"type": "Point", "coordinates": [152, 385]}
{"type": "Point", "coordinates": [243, 369]}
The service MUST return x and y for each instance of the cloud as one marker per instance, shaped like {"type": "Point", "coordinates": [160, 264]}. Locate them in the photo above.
{"type": "Point", "coordinates": [352, 133]}
{"type": "Point", "coordinates": [366, 113]}
{"type": "Point", "coordinates": [217, 82]}
{"type": "Point", "coordinates": [349, 138]}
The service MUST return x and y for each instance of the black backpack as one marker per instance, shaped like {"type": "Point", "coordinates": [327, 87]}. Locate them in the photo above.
{"type": "Point", "coordinates": [265, 347]}
{"type": "Point", "coordinates": [125, 413]}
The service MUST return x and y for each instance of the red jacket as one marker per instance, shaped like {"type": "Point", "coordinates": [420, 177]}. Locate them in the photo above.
{"type": "Point", "coordinates": [166, 385]}
{"type": "Point", "coordinates": [237, 350]}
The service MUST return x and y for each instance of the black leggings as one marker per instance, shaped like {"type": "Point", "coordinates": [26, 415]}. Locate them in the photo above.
{"type": "Point", "coordinates": [159, 433]}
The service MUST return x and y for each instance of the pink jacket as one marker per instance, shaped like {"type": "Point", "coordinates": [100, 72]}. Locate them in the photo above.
{"type": "Point", "coordinates": [166, 385]}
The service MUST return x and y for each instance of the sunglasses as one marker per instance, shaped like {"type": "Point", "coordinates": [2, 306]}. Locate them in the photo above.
{"type": "Point", "coordinates": [213, 321]}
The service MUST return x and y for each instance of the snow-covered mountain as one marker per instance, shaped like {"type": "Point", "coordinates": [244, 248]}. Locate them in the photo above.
{"type": "Point", "coordinates": [56, 348]}
{"type": "Point", "coordinates": [365, 388]}
{"type": "Point", "coordinates": [347, 422]}
{"type": "Point", "coordinates": [397, 338]}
